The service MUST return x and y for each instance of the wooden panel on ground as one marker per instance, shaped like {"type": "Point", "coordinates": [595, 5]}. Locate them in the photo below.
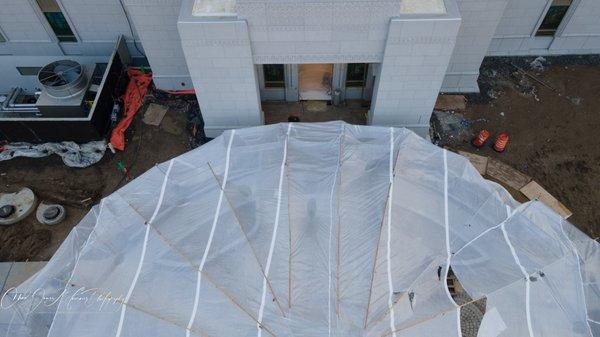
{"type": "Point", "coordinates": [506, 174]}
{"type": "Point", "coordinates": [155, 114]}
{"type": "Point", "coordinates": [480, 162]}
{"type": "Point", "coordinates": [451, 102]}
{"type": "Point", "coordinates": [533, 190]}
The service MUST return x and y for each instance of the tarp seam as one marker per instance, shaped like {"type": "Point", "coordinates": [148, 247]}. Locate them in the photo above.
{"type": "Point", "coordinates": [389, 233]}
{"type": "Point", "coordinates": [331, 221]}
{"type": "Point", "coordinates": [448, 249]}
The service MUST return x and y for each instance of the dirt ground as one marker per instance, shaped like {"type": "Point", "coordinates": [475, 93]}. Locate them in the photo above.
{"type": "Point", "coordinates": [53, 181]}
{"type": "Point", "coordinates": [353, 112]}
{"type": "Point", "coordinates": [551, 110]}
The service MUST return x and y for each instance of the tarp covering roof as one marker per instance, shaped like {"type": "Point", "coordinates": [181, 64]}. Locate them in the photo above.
{"type": "Point", "coordinates": [312, 230]}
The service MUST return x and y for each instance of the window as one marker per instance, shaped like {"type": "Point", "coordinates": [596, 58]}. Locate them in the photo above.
{"type": "Point", "coordinates": [57, 20]}
{"type": "Point", "coordinates": [274, 75]}
{"type": "Point", "coordinates": [356, 75]}
{"type": "Point", "coordinates": [29, 71]}
{"type": "Point", "coordinates": [2, 39]}
{"type": "Point", "coordinates": [555, 15]}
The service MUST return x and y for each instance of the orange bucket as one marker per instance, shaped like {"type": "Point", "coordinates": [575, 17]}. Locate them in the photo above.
{"type": "Point", "coordinates": [501, 142]}
{"type": "Point", "coordinates": [481, 138]}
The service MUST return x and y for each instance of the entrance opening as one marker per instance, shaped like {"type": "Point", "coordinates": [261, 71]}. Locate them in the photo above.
{"type": "Point", "coordinates": [315, 81]}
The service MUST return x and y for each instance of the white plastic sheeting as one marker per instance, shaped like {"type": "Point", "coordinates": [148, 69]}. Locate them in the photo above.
{"type": "Point", "coordinates": [312, 230]}
{"type": "Point", "coordinates": [72, 154]}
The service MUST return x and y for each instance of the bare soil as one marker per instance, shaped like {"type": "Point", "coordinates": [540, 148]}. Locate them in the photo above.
{"type": "Point", "coordinates": [79, 189]}
{"type": "Point", "coordinates": [553, 118]}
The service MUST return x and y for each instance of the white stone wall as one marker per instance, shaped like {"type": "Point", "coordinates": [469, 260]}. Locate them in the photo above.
{"type": "Point", "coordinates": [31, 43]}
{"type": "Point", "coordinates": [317, 31]}
{"type": "Point", "coordinates": [20, 23]}
{"type": "Point", "coordinates": [156, 23]}
{"type": "Point", "coordinates": [219, 57]}
{"type": "Point", "coordinates": [221, 53]}
{"type": "Point", "coordinates": [585, 20]}
{"type": "Point", "coordinates": [520, 18]}
{"type": "Point", "coordinates": [96, 23]}
{"type": "Point", "coordinates": [580, 33]}
{"type": "Point", "coordinates": [97, 20]}
{"type": "Point", "coordinates": [479, 21]}
{"type": "Point", "coordinates": [416, 58]}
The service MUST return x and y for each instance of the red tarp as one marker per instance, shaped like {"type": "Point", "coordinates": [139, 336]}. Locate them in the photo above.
{"type": "Point", "coordinates": [132, 100]}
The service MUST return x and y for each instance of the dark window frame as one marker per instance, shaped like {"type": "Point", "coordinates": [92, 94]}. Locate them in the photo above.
{"type": "Point", "coordinates": [554, 17]}
{"type": "Point", "coordinates": [57, 21]}
{"type": "Point", "coordinates": [270, 72]}
{"type": "Point", "coordinates": [2, 38]}
{"type": "Point", "coordinates": [352, 76]}
{"type": "Point", "coordinates": [29, 71]}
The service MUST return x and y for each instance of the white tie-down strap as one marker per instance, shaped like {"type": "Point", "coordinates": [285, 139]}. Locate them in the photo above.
{"type": "Point", "coordinates": [389, 237]}
{"type": "Point", "coordinates": [274, 236]}
{"type": "Point", "coordinates": [448, 249]}
{"type": "Point", "coordinates": [525, 274]}
{"type": "Point", "coordinates": [210, 238]}
{"type": "Point", "coordinates": [144, 247]}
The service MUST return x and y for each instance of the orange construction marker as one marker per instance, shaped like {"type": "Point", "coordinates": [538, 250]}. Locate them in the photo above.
{"type": "Point", "coordinates": [501, 142]}
{"type": "Point", "coordinates": [481, 138]}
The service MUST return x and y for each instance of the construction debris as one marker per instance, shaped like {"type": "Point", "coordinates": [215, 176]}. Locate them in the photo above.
{"type": "Point", "coordinates": [538, 64]}
{"type": "Point", "coordinates": [449, 125]}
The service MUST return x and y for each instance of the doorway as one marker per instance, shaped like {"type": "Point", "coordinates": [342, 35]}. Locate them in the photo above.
{"type": "Point", "coordinates": [315, 81]}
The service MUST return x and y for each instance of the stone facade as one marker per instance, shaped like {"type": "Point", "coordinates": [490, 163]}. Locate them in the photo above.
{"type": "Point", "coordinates": [411, 57]}
{"type": "Point", "coordinates": [413, 51]}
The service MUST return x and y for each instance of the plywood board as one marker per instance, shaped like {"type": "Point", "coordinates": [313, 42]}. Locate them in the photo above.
{"type": "Point", "coordinates": [533, 190]}
{"type": "Point", "coordinates": [155, 114]}
{"type": "Point", "coordinates": [506, 174]}
{"type": "Point", "coordinates": [480, 162]}
{"type": "Point", "coordinates": [451, 102]}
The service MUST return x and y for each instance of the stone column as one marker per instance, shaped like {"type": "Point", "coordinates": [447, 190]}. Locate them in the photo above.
{"type": "Point", "coordinates": [417, 53]}
{"type": "Point", "coordinates": [219, 58]}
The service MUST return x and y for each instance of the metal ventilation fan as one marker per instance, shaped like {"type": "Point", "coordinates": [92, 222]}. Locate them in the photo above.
{"type": "Point", "coordinates": [62, 79]}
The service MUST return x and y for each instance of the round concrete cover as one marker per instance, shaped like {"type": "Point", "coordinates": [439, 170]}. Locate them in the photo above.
{"type": "Point", "coordinates": [320, 230]}
{"type": "Point", "coordinates": [22, 203]}
{"type": "Point", "coordinates": [6, 211]}
{"type": "Point", "coordinates": [49, 214]}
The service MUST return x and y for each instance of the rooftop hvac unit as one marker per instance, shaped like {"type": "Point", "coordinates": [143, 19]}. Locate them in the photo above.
{"type": "Point", "coordinates": [74, 104]}
{"type": "Point", "coordinates": [62, 79]}
{"type": "Point", "coordinates": [64, 84]}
